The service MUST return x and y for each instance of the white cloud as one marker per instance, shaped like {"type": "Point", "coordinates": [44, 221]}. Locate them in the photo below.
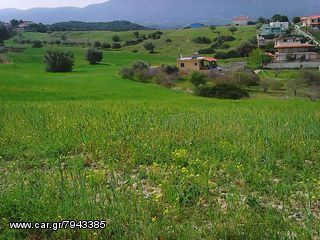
{"type": "Point", "coordinates": [26, 4]}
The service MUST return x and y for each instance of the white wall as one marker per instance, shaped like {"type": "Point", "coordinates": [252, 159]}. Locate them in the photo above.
{"type": "Point", "coordinates": [293, 65]}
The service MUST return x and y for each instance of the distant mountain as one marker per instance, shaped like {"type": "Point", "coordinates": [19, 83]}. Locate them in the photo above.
{"type": "Point", "coordinates": [166, 12]}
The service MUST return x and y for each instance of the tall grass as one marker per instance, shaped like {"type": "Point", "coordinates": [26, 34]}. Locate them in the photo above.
{"type": "Point", "coordinates": [226, 170]}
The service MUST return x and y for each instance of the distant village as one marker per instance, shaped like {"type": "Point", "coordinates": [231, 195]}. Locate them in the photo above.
{"type": "Point", "coordinates": [288, 44]}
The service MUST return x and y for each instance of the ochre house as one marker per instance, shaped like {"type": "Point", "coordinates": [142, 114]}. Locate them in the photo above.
{"type": "Point", "coordinates": [196, 63]}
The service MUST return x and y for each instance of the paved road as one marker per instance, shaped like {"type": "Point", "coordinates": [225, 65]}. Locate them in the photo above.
{"type": "Point", "coordinates": [306, 34]}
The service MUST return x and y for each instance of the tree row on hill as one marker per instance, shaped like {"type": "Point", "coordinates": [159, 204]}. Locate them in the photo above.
{"type": "Point", "coordinates": [115, 26]}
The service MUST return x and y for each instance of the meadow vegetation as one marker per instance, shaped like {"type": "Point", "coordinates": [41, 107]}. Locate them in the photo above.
{"type": "Point", "coordinates": [155, 163]}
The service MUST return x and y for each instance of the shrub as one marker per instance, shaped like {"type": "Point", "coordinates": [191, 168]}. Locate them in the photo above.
{"type": "Point", "coordinates": [133, 42]}
{"type": "Point", "coordinates": [222, 91]}
{"type": "Point", "coordinates": [116, 38]}
{"type": "Point", "coordinates": [37, 44]}
{"type": "Point", "coordinates": [206, 51]}
{"type": "Point", "coordinates": [166, 80]}
{"type": "Point", "coordinates": [127, 73]}
{"type": "Point", "coordinates": [97, 44]}
{"type": "Point", "coordinates": [233, 29]}
{"type": "Point", "coordinates": [218, 45]}
{"type": "Point", "coordinates": [155, 35]}
{"type": "Point", "coordinates": [243, 50]}
{"type": "Point", "coordinates": [106, 45]}
{"type": "Point", "coordinates": [222, 39]}
{"type": "Point", "coordinates": [202, 40]}
{"type": "Point", "coordinates": [311, 78]}
{"type": "Point", "coordinates": [94, 56]}
{"type": "Point", "coordinates": [168, 40]}
{"type": "Point", "coordinates": [170, 69]}
{"type": "Point", "coordinates": [116, 45]}
{"type": "Point", "coordinates": [290, 57]}
{"type": "Point", "coordinates": [136, 34]}
{"type": "Point", "coordinates": [139, 65]}
{"type": "Point", "coordinates": [149, 46]}
{"type": "Point", "coordinates": [140, 71]}
{"type": "Point", "coordinates": [198, 79]}
{"type": "Point", "coordinates": [142, 74]}
{"type": "Point", "coordinates": [275, 84]}
{"type": "Point", "coordinates": [58, 61]}
{"type": "Point", "coordinates": [265, 84]}
{"type": "Point", "coordinates": [238, 78]}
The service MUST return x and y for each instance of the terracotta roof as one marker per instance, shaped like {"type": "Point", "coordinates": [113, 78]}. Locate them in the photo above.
{"type": "Point", "coordinates": [293, 45]}
{"type": "Point", "coordinates": [241, 18]}
{"type": "Point", "coordinates": [210, 59]}
{"type": "Point", "coordinates": [310, 17]}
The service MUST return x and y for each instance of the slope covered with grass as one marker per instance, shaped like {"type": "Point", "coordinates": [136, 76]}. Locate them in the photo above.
{"type": "Point", "coordinates": [154, 163]}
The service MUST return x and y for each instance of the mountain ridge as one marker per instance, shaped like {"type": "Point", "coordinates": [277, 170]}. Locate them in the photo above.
{"type": "Point", "coordinates": [165, 12]}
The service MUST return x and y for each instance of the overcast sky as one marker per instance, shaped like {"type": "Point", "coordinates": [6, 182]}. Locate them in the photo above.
{"type": "Point", "coordinates": [26, 4]}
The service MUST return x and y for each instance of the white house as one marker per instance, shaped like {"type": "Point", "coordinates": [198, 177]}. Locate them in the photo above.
{"type": "Point", "coordinates": [282, 25]}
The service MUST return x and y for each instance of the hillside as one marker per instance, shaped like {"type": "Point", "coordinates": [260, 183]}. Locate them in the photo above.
{"type": "Point", "coordinates": [148, 162]}
{"type": "Point", "coordinates": [116, 26]}
{"type": "Point", "coordinates": [167, 13]}
{"type": "Point", "coordinates": [181, 39]}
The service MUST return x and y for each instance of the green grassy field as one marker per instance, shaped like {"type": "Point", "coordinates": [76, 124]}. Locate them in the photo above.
{"type": "Point", "coordinates": [154, 163]}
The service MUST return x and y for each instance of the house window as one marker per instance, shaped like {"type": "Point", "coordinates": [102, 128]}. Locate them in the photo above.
{"type": "Point", "coordinates": [182, 65]}
{"type": "Point", "coordinates": [196, 64]}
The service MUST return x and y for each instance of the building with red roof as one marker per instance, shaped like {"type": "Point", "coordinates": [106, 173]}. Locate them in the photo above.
{"type": "Point", "coordinates": [296, 50]}
{"type": "Point", "coordinates": [196, 63]}
{"type": "Point", "coordinates": [241, 20]}
{"type": "Point", "coordinates": [311, 21]}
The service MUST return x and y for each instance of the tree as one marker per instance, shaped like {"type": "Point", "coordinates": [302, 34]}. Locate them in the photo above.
{"type": "Point", "coordinates": [136, 34]}
{"type": "Point", "coordinates": [260, 58]}
{"type": "Point", "coordinates": [198, 79]}
{"type": "Point", "coordinates": [311, 78]}
{"type": "Point", "coordinates": [94, 56]}
{"type": "Point", "coordinates": [296, 20]}
{"type": "Point", "coordinates": [277, 72]}
{"type": "Point", "coordinates": [149, 46]}
{"type": "Point", "coordinates": [265, 84]}
{"type": "Point", "coordinates": [276, 18]}
{"type": "Point", "coordinates": [4, 33]}
{"type": "Point", "coordinates": [116, 38]}
{"type": "Point", "coordinates": [58, 61]}
{"type": "Point", "coordinates": [213, 28]}
{"type": "Point", "coordinates": [279, 18]}
{"type": "Point", "coordinates": [15, 23]}
{"type": "Point", "coordinates": [262, 20]}
{"type": "Point", "coordinates": [296, 84]}
{"type": "Point", "coordinates": [233, 29]}
{"type": "Point", "coordinates": [37, 44]}
{"type": "Point", "coordinates": [284, 19]}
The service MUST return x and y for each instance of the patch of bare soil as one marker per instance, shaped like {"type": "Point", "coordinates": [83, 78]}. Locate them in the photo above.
{"type": "Point", "coordinates": [4, 59]}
